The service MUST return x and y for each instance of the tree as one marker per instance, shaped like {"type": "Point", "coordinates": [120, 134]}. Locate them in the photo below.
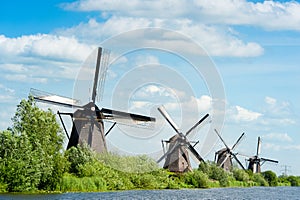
{"type": "Point", "coordinates": [19, 166]}
{"type": "Point", "coordinates": [31, 149]}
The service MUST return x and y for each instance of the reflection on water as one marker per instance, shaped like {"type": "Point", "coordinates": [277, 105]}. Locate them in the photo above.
{"type": "Point", "coordinates": [291, 193]}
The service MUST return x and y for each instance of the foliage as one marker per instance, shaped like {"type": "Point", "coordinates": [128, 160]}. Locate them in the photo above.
{"type": "Point", "coordinates": [80, 156]}
{"type": "Point", "coordinates": [131, 164]}
{"type": "Point", "coordinates": [71, 183]}
{"type": "Point", "coordinates": [294, 180]}
{"type": "Point", "coordinates": [289, 180]}
{"type": "Point", "coordinates": [240, 175]}
{"type": "Point", "coordinates": [197, 179]}
{"type": "Point", "coordinates": [30, 151]}
{"type": "Point", "coordinates": [259, 179]}
{"type": "Point", "coordinates": [270, 177]}
{"type": "Point", "coordinates": [216, 173]}
{"type": "Point", "coordinates": [20, 166]}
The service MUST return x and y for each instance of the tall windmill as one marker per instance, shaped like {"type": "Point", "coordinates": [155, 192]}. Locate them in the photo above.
{"type": "Point", "coordinates": [255, 162]}
{"type": "Point", "coordinates": [224, 156]}
{"type": "Point", "coordinates": [177, 158]}
{"type": "Point", "coordinates": [88, 125]}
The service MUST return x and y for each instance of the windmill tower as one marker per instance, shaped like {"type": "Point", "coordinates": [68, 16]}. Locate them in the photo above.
{"type": "Point", "coordinates": [255, 162]}
{"type": "Point", "coordinates": [88, 125]}
{"type": "Point", "coordinates": [224, 156]}
{"type": "Point", "coordinates": [177, 157]}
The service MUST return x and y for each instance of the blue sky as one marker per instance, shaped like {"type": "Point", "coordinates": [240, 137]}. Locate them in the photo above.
{"type": "Point", "coordinates": [254, 45]}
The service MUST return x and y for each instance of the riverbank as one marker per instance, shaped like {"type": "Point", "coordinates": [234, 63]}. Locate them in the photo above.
{"type": "Point", "coordinates": [33, 160]}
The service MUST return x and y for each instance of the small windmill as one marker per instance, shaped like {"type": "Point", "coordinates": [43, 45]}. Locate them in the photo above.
{"type": "Point", "coordinates": [224, 156]}
{"type": "Point", "coordinates": [255, 162]}
{"type": "Point", "coordinates": [177, 158]}
{"type": "Point", "coordinates": [88, 125]}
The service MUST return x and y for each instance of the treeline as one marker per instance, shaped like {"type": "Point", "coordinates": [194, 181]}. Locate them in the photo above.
{"type": "Point", "coordinates": [32, 159]}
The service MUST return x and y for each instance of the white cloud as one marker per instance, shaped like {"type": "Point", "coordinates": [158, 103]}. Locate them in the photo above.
{"type": "Point", "coordinates": [24, 78]}
{"type": "Point", "coordinates": [268, 14]}
{"type": "Point", "coordinates": [277, 112]}
{"type": "Point", "coordinates": [270, 100]}
{"type": "Point", "coordinates": [145, 60]}
{"type": "Point", "coordinates": [46, 46]}
{"type": "Point", "coordinates": [283, 137]}
{"type": "Point", "coordinates": [239, 114]}
{"type": "Point", "coordinates": [35, 58]}
{"type": "Point", "coordinates": [6, 94]}
{"type": "Point", "coordinates": [217, 41]}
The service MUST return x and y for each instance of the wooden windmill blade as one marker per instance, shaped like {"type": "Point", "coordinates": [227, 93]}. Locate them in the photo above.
{"type": "Point", "coordinates": [94, 92]}
{"type": "Point", "coordinates": [258, 146]}
{"type": "Point", "coordinates": [196, 154]}
{"type": "Point", "coordinates": [269, 160]}
{"type": "Point", "coordinates": [166, 115]}
{"type": "Point", "coordinates": [54, 99]}
{"type": "Point", "coordinates": [170, 150]}
{"type": "Point", "coordinates": [197, 124]}
{"type": "Point", "coordinates": [238, 161]}
{"type": "Point", "coordinates": [127, 118]}
{"type": "Point", "coordinates": [238, 141]}
{"type": "Point", "coordinates": [227, 147]}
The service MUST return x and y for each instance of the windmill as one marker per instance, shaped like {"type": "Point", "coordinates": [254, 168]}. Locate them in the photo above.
{"type": "Point", "coordinates": [88, 125]}
{"type": "Point", "coordinates": [225, 155]}
{"type": "Point", "coordinates": [255, 162]}
{"type": "Point", "coordinates": [177, 158]}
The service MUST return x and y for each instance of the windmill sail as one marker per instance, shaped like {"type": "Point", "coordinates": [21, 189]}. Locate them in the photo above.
{"type": "Point", "coordinates": [126, 118]}
{"type": "Point", "coordinates": [177, 156]}
{"type": "Point", "coordinates": [88, 125]}
{"type": "Point", "coordinates": [255, 162]}
{"type": "Point", "coordinates": [224, 156]}
{"type": "Point", "coordinates": [55, 99]}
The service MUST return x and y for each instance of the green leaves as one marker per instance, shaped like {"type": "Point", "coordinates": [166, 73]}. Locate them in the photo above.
{"type": "Point", "coordinates": [30, 151]}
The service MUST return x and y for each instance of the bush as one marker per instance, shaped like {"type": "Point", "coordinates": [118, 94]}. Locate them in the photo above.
{"type": "Point", "coordinates": [240, 175]}
{"type": "Point", "coordinates": [197, 179]}
{"type": "Point", "coordinates": [216, 173]}
{"type": "Point", "coordinates": [78, 157]}
{"type": "Point", "coordinates": [72, 183]}
{"type": "Point", "coordinates": [270, 177]}
{"type": "Point", "coordinates": [295, 181]}
{"type": "Point", "coordinates": [259, 179]}
{"type": "Point", "coordinates": [130, 164]}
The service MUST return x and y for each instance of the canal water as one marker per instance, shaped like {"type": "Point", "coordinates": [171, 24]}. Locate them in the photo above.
{"type": "Point", "coordinates": [265, 193]}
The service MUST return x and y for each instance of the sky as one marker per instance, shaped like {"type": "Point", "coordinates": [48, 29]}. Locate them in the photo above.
{"type": "Point", "coordinates": [253, 46]}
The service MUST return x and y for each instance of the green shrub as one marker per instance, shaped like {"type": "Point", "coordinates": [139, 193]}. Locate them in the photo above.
{"type": "Point", "coordinates": [270, 177]}
{"type": "Point", "coordinates": [259, 179]}
{"type": "Point", "coordinates": [240, 175]}
{"type": "Point", "coordinates": [197, 179]}
{"type": "Point", "coordinates": [72, 183]}
{"type": "Point", "coordinates": [294, 180]}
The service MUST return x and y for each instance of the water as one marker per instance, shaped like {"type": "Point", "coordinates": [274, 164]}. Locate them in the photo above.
{"type": "Point", "coordinates": [273, 193]}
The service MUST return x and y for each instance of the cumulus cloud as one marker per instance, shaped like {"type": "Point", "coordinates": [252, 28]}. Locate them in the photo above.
{"type": "Point", "coordinates": [266, 14]}
{"type": "Point", "coordinates": [45, 45]}
{"type": "Point", "coordinates": [217, 41]}
{"type": "Point", "coordinates": [239, 114]}
{"type": "Point", "coordinates": [277, 112]}
{"type": "Point", "coordinates": [35, 58]}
